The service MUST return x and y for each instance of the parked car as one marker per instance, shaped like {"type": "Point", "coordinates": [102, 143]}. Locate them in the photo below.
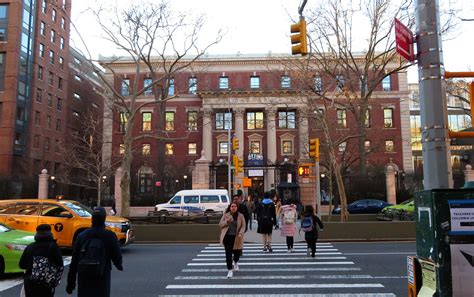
{"type": "Point", "coordinates": [364, 206]}
{"type": "Point", "coordinates": [195, 201]}
{"type": "Point", "coordinates": [12, 244]}
{"type": "Point", "coordinates": [404, 211]}
{"type": "Point", "coordinates": [67, 218]}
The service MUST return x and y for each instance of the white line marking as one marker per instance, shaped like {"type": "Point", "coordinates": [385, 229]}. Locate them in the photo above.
{"type": "Point", "coordinates": [294, 295]}
{"type": "Point", "coordinates": [387, 253]}
{"type": "Point", "coordinates": [283, 244]}
{"type": "Point", "coordinates": [273, 258]}
{"type": "Point", "coordinates": [275, 263]}
{"type": "Point", "coordinates": [270, 254]}
{"type": "Point", "coordinates": [274, 250]}
{"type": "Point", "coordinates": [275, 269]}
{"type": "Point", "coordinates": [257, 277]}
{"type": "Point", "coordinates": [273, 286]}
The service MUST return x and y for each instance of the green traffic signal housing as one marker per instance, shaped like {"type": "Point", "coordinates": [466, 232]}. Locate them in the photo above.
{"type": "Point", "coordinates": [299, 39]}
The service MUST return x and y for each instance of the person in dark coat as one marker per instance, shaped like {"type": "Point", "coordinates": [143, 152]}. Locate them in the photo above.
{"type": "Point", "coordinates": [242, 208]}
{"type": "Point", "coordinates": [97, 287]}
{"type": "Point", "coordinates": [312, 237]}
{"type": "Point", "coordinates": [44, 246]}
{"type": "Point", "coordinates": [266, 217]}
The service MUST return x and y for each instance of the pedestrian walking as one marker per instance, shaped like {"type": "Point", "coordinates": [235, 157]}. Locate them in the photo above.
{"type": "Point", "coordinates": [241, 208]}
{"type": "Point", "coordinates": [232, 226]}
{"type": "Point", "coordinates": [256, 202]}
{"type": "Point", "coordinates": [308, 225]}
{"type": "Point", "coordinates": [113, 210]}
{"type": "Point", "coordinates": [266, 218]}
{"type": "Point", "coordinates": [94, 250]}
{"type": "Point", "coordinates": [277, 202]}
{"type": "Point", "coordinates": [250, 209]}
{"type": "Point", "coordinates": [288, 224]}
{"type": "Point", "coordinates": [40, 257]}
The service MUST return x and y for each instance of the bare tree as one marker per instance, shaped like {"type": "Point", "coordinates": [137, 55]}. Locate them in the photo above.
{"type": "Point", "coordinates": [156, 41]}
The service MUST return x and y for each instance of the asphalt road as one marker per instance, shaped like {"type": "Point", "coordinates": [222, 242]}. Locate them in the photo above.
{"type": "Point", "coordinates": [346, 269]}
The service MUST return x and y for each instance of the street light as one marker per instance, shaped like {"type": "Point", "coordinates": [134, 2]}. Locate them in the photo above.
{"type": "Point", "coordinates": [53, 185]}
{"type": "Point", "coordinates": [185, 177]}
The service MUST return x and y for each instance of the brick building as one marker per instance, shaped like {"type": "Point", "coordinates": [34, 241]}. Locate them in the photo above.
{"type": "Point", "coordinates": [269, 108]}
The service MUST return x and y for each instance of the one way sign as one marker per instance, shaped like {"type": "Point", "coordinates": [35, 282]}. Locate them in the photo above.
{"type": "Point", "coordinates": [404, 40]}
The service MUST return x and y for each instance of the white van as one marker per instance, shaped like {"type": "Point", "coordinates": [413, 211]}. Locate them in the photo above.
{"type": "Point", "coordinates": [196, 201]}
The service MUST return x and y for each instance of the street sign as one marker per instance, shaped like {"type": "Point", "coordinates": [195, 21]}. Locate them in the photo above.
{"type": "Point", "coordinates": [158, 184]}
{"type": "Point", "coordinates": [404, 40]}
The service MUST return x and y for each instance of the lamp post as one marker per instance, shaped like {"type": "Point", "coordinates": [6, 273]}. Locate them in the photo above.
{"type": "Point", "coordinates": [102, 192]}
{"type": "Point", "coordinates": [53, 185]}
{"type": "Point", "coordinates": [185, 178]}
{"type": "Point", "coordinates": [176, 185]}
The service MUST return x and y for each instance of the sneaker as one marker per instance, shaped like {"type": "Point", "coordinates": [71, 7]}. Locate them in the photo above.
{"type": "Point", "coordinates": [308, 251]}
{"type": "Point", "coordinates": [289, 251]}
{"type": "Point", "coordinates": [313, 256]}
{"type": "Point", "coordinates": [236, 266]}
{"type": "Point", "coordinates": [265, 249]}
{"type": "Point", "coordinates": [230, 274]}
{"type": "Point", "coordinates": [270, 249]}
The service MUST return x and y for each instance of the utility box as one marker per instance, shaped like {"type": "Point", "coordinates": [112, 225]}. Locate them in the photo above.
{"type": "Point", "coordinates": [435, 234]}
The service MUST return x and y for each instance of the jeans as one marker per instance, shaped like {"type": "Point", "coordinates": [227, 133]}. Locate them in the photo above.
{"type": "Point", "coordinates": [289, 242]}
{"type": "Point", "coordinates": [229, 251]}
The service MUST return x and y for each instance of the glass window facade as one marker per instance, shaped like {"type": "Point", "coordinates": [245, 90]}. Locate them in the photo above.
{"type": "Point", "coordinates": [223, 120]}
{"type": "Point", "coordinates": [286, 119]}
{"type": "Point", "coordinates": [169, 125]}
{"type": "Point", "coordinates": [192, 85]}
{"type": "Point", "coordinates": [388, 117]}
{"type": "Point", "coordinates": [146, 121]}
{"type": "Point", "coordinates": [255, 120]}
{"type": "Point", "coordinates": [192, 120]}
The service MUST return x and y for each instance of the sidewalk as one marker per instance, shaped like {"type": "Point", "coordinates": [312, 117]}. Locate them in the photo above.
{"type": "Point", "coordinates": [251, 236]}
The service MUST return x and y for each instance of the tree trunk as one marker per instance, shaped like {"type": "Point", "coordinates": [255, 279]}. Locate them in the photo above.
{"type": "Point", "coordinates": [362, 137]}
{"type": "Point", "coordinates": [99, 190]}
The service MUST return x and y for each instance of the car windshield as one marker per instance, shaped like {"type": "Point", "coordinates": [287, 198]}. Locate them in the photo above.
{"type": "Point", "coordinates": [79, 209]}
{"type": "Point", "coordinates": [407, 201]}
{"type": "Point", "coordinates": [4, 228]}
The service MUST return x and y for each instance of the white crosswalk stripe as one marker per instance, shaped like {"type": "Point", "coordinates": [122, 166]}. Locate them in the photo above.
{"type": "Point", "coordinates": [295, 273]}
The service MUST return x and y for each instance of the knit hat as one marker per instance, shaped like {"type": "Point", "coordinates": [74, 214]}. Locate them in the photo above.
{"type": "Point", "coordinates": [98, 216]}
{"type": "Point", "coordinates": [43, 231]}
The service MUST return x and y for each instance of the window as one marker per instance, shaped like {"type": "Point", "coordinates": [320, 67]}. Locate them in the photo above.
{"type": "Point", "coordinates": [367, 146]}
{"type": "Point", "coordinates": [61, 42]}
{"type": "Point", "coordinates": [63, 23]}
{"type": "Point", "coordinates": [47, 143]}
{"type": "Point", "coordinates": [388, 117]}
{"type": "Point", "coordinates": [39, 95]}
{"type": "Point", "coordinates": [3, 22]}
{"type": "Point", "coordinates": [287, 147]}
{"type": "Point", "coordinates": [223, 148]}
{"type": "Point", "coordinates": [123, 122]}
{"type": "Point", "coordinates": [318, 84]}
{"type": "Point", "coordinates": [53, 36]}
{"type": "Point", "coordinates": [37, 118]}
{"type": "Point", "coordinates": [2, 71]}
{"type": "Point", "coordinates": [367, 118]}
{"type": "Point", "coordinates": [209, 199]}
{"type": "Point", "coordinates": [223, 120]}
{"type": "Point", "coordinates": [53, 15]}
{"type": "Point", "coordinates": [125, 89]}
{"type": "Point", "coordinates": [40, 72]}
{"type": "Point", "coordinates": [255, 147]}
{"type": "Point", "coordinates": [146, 121]}
{"type": "Point", "coordinates": [48, 121]}
{"type": "Point", "coordinates": [43, 28]}
{"type": "Point", "coordinates": [58, 125]}
{"type": "Point", "coordinates": [145, 180]}
{"type": "Point", "coordinates": [29, 209]}
{"type": "Point", "coordinates": [192, 120]}
{"type": "Point", "coordinates": [43, 6]}
{"type": "Point", "coordinates": [342, 147]}
{"type": "Point", "coordinates": [386, 83]}
{"type": "Point", "coordinates": [286, 120]}
{"type": "Point", "coordinates": [191, 199]}
{"type": "Point", "coordinates": [57, 147]}
{"type": "Point", "coordinates": [285, 82]}
{"type": "Point", "coordinates": [169, 149]}
{"type": "Point", "coordinates": [223, 82]}
{"type": "Point", "coordinates": [192, 148]}
{"type": "Point", "coordinates": [415, 131]}
{"type": "Point", "coordinates": [50, 100]}
{"type": "Point", "coordinates": [192, 85]}
{"type": "Point", "coordinates": [146, 149]}
{"type": "Point", "coordinates": [255, 120]}
{"type": "Point", "coordinates": [60, 83]}
{"type": "Point", "coordinates": [51, 78]}
{"type": "Point", "coordinates": [61, 62]}
{"type": "Point", "coordinates": [122, 149]}
{"type": "Point", "coordinates": [41, 50]}
{"type": "Point", "coordinates": [340, 82]}
{"type": "Point", "coordinates": [169, 118]}
{"type": "Point", "coordinates": [36, 140]}
{"type": "Point", "coordinates": [255, 82]}
{"type": "Point", "coordinates": [389, 146]}
{"type": "Point", "coordinates": [54, 210]}
{"type": "Point", "coordinates": [76, 96]}
{"type": "Point", "coordinates": [341, 118]}
{"type": "Point", "coordinates": [77, 77]}
{"type": "Point", "coordinates": [171, 87]}
{"type": "Point", "coordinates": [78, 61]}
{"type": "Point", "coordinates": [147, 86]}
{"type": "Point", "coordinates": [51, 57]}
{"type": "Point", "coordinates": [59, 104]}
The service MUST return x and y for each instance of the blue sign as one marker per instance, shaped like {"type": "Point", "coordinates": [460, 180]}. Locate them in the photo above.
{"type": "Point", "coordinates": [255, 160]}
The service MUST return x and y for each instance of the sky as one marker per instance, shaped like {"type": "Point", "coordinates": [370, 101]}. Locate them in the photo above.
{"type": "Point", "coordinates": [262, 26]}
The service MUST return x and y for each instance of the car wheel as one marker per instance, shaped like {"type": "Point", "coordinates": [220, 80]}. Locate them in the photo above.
{"type": "Point", "coordinates": [164, 213]}
{"type": "Point", "coordinates": [2, 266]}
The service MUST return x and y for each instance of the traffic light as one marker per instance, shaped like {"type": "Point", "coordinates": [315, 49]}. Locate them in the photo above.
{"type": "Point", "coordinates": [303, 171]}
{"type": "Point", "coordinates": [235, 162]}
{"type": "Point", "coordinates": [240, 165]}
{"type": "Point", "coordinates": [314, 148]}
{"type": "Point", "coordinates": [299, 39]}
{"type": "Point", "coordinates": [235, 143]}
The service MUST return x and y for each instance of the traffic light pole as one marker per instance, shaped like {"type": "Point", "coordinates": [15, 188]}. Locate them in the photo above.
{"type": "Point", "coordinates": [229, 163]}
{"type": "Point", "coordinates": [318, 187]}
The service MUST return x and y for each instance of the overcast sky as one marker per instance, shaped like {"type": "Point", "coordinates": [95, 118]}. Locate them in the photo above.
{"type": "Point", "coordinates": [244, 20]}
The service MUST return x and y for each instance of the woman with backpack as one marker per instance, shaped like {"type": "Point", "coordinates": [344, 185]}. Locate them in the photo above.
{"type": "Point", "coordinates": [308, 225]}
{"type": "Point", "coordinates": [266, 217]}
{"type": "Point", "coordinates": [38, 256]}
{"type": "Point", "coordinates": [288, 224]}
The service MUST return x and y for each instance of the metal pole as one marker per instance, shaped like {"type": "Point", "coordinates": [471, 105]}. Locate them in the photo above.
{"type": "Point", "coordinates": [229, 163]}
{"type": "Point", "coordinates": [318, 188]}
{"type": "Point", "coordinates": [433, 111]}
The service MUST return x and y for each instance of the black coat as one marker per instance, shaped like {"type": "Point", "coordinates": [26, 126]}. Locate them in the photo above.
{"type": "Point", "coordinates": [314, 234]}
{"type": "Point", "coordinates": [44, 246]}
{"type": "Point", "coordinates": [95, 287]}
{"type": "Point", "coordinates": [265, 225]}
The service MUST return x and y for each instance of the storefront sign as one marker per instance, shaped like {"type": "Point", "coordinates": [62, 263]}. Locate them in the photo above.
{"type": "Point", "coordinates": [462, 216]}
{"type": "Point", "coordinates": [255, 160]}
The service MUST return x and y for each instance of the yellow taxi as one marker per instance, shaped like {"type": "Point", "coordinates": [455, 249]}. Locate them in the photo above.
{"type": "Point", "coordinates": [67, 218]}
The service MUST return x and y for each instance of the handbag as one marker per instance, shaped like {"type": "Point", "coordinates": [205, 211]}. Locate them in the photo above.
{"type": "Point", "coordinates": [46, 273]}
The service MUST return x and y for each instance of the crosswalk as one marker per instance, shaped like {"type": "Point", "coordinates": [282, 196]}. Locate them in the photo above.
{"type": "Point", "coordinates": [277, 274]}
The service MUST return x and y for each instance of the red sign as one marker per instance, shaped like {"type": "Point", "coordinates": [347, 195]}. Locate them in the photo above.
{"type": "Point", "coordinates": [158, 184]}
{"type": "Point", "coordinates": [404, 40]}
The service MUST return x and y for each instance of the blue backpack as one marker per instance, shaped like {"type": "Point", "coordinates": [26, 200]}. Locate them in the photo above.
{"type": "Point", "coordinates": [307, 224]}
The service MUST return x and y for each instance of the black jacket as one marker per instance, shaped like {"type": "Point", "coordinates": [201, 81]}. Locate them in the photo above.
{"type": "Point", "coordinates": [95, 287]}
{"type": "Point", "coordinates": [266, 216]}
{"type": "Point", "coordinates": [43, 246]}
{"type": "Point", "coordinates": [316, 222]}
